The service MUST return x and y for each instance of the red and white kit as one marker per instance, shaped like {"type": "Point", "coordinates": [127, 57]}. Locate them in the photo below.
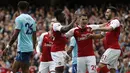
{"type": "Point", "coordinates": [86, 58]}
{"type": "Point", "coordinates": [58, 48]}
{"type": "Point", "coordinates": [111, 45]}
{"type": "Point", "coordinates": [45, 43]}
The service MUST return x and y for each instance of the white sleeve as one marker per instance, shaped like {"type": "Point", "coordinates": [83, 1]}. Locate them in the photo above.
{"type": "Point", "coordinates": [40, 42]}
{"type": "Point", "coordinates": [114, 24]}
{"type": "Point", "coordinates": [94, 26]}
{"type": "Point", "coordinates": [57, 26]}
{"type": "Point", "coordinates": [70, 33]}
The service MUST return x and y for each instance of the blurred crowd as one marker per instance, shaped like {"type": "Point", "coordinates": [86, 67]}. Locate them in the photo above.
{"type": "Point", "coordinates": [43, 17]}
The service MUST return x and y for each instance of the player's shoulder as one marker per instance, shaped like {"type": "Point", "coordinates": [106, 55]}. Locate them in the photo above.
{"type": "Point", "coordinates": [29, 16]}
{"type": "Point", "coordinates": [18, 18]}
{"type": "Point", "coordinates": [45, 33]}
{"type": "Point", "coordinates": [115, 21]}
{"type": "Point", "coordinates": [75, 28]}
{"type": "Point", "coordinates": [72, 38]}
{"type": "Point", "coordinates": [56, 23]}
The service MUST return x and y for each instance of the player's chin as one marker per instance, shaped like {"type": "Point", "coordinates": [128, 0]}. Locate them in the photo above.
{"type": "Point", "coordinates": [83, 26]}
{"type": "Point", "coordinates": [107, 17]}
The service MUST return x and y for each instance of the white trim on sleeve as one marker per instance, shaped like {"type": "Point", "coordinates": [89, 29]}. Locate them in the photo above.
{"type": "Point", "coordinates": [40, 40]}
{"type": "Point", "coordinates": [57, 26]}
{"type": "Point", "coordinates": [115, 23]}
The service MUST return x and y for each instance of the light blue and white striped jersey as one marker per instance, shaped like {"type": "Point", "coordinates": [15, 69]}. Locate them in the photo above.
{"type": "Point", "coordinates": [27, 25]}
{"type": "Point", "coordinates": [75, 50]}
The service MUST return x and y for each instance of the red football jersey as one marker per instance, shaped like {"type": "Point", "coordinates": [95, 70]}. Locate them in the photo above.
{"type": "Point", "coordinates": [4, 70]}
{"type": "Point", "coordinates": [46, 47]}
{"type": "Point", "coordinates": [85, 46]}
{"type": "Point", "coordinates": [111, 38]}
{"type": "Point", "coordinates": [59, 40]}
{"type": "Point", "coordinates": [105, 70]}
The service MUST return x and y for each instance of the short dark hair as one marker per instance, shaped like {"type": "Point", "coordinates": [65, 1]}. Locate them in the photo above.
{"type": "Point", "coordinates": [57, 12]}
{"type": "Point", "coordinates": [23, 5]}
{"type": "Point", "coordinates": [113, 9]}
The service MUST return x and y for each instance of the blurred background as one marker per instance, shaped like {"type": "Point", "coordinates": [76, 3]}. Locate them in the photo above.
{"type": "Point", "coordinates": [42, 12]}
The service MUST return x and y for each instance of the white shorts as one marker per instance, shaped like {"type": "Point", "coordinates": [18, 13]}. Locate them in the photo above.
{"type": "Point", "coordinates": [110, 57]}
{"type": "Point", "coordinates": [46, 67]}
{"type": "Point", "coordinates": [84, 63]}
{"type": "Point", "coordinates": [59, 58]}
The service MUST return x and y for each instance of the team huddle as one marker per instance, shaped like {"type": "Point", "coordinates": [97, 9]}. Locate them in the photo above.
{"type": "Point", "coordinates": [51, 44]}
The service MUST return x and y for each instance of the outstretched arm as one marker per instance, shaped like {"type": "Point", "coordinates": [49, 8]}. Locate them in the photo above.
{"type": "Point", "coordinates": [113, 24]}
{"type": "Point", "coordinates": [105, 29]}
{"type": "Point", "coordinates": [96, 36]}
{"type": "Point", "coordinates": [63, 29]}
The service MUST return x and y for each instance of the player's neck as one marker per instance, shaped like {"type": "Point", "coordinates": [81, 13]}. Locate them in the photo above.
{"type": "Point", "coordinates": [81, 27]}
{"type": "Point", "coordinates": [23, 12]}
{"type": "Point", "coordinates": [113, 17]}
{"type": "Point", "coordinates": [49, 32]}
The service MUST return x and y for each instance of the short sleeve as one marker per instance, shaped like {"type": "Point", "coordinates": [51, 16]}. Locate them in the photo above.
{"type": "Point", "coordinates": [18, 23]}
{"type": "Point", "coordinates": [70, 33]}
{"type": "Point", "coordinates": [57, 26]}
{"type": "Point", "coordinates": [34, 26]}
{"type": "Point", "coordinates": [72, 41]}
{"type": "Point", "coordinates": [114, 24]}
{"type": "Point", "coordinates": [40, 42]}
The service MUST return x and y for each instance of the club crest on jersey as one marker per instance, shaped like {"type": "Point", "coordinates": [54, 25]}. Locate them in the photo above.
{"type": "Point", "coordinates": [83, 37]}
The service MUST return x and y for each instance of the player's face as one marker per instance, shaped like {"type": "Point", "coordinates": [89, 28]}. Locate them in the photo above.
{"type": "Point", "coordinates": [108, 14]}
{"type": "Point", "coordinates": [83, 21]}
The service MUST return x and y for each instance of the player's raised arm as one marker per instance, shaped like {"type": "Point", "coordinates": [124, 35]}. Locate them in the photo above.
{"type": "Point", "coordinates": [61, 26]}
{"type": "Point", "coordinates": [68, 27]}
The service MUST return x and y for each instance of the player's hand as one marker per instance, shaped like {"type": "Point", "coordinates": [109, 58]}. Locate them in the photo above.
{"type": "Point", "coordinates": [66, 57]}
{"type": "Point", "coordinates": [89, 36]}
{"type": "Point", "coordinates": [5, 51]}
